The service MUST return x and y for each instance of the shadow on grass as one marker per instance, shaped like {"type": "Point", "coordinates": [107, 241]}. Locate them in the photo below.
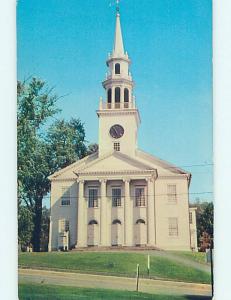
{"type": "Point", "coordinates": [191, 297]}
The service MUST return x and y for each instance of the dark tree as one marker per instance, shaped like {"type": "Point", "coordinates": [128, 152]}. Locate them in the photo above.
{"type": "Point", "coordinates": [41, 154]}
{"type": "Point", "coordinates": [92, 148]}
{"type": "Point", "coordinates": [204, 224]}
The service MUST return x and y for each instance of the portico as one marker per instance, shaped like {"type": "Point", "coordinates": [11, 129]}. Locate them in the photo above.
{"type": "Point", "coordinates": [114, 198]}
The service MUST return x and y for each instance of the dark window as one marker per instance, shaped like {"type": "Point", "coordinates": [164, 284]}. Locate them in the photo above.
{"type": "Point", "coordinates": [109, 96]}
{"type": "Point", "coordinates": [116, 197]}
{"type": "Point", "coordinates": [190, 218]}
{"type": "Point", "coordinates": [117, 146]}
{"type": "Point", "coordinates": [140, 196]}
{"type": "Point", "coordinates": [93, 222]}
{"type": "Point", "coordinates": [65, 202]}
{"type": "Point", "coordinates": [93, 198]}
{"type": "Point", "coordinates": [117, 94]}
{"type": "Point", "coordinates": [65, 199]}
{"type": "Point", "coordinates": [64, 225]}
{"type": "Point", "coordinates": [116, 222]}
{"type": "Point", "coordinates": [126, 95]}
{"type": "Point", "coordinates": [117, 68]}
{"type": "Point", "coordinates": [172, 196]}
{"type": "Point", "coordinates": [173, 226]}
{"type": "Point", "coordinates": [139, 221]}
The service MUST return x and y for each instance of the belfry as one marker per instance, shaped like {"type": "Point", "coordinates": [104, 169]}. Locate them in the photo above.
{"type": "Point", "coordinates": [121, 196]}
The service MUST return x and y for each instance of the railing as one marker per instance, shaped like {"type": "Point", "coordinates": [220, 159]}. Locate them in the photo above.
{"type": "Point", "coordinates": [116, 105]}
{"type": "Point", "coordinates": [110, 76]}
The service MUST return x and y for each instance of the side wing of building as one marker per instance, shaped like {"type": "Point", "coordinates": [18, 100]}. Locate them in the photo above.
{"type": "Point", "coordinates": [171, 204]}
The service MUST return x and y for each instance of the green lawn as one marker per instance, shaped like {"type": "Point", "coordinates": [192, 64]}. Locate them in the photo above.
{"type": "Point", "coordinates": [109, 263]}
{"type": "Point", "coordinates": [52, 292]}
{"type": "Point", "coordinates": [195, 256]}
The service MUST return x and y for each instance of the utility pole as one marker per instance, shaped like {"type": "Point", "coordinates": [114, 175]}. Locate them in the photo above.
{"type": "Point", "coordinates": [137, 277]}
{"type": "Point", "coordinates": [211, 257]}
{"type": "Point", "coordinates": [148, 265]}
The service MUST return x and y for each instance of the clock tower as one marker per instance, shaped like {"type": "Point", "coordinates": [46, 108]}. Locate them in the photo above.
{"type": "Point", "coordinates": [118, 116]}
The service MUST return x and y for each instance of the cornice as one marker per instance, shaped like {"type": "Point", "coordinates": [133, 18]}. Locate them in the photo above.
{"type": "Point", "coordinates": [118, 81]}
{"type": "Point", "coordinates": [116, 112]}
{"type": "Point", "coordinates": [118, 172]}
{"type": "Point", "coordinates": [71, 179]}
{"type": "Point", "coordinates": [179, 176]}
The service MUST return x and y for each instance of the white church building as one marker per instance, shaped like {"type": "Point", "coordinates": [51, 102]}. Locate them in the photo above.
{"type": "Point", "coordinates": [121, 196]}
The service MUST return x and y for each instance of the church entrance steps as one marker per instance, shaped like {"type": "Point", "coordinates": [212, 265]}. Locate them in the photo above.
{"type": "Point", "coordinates": [117, 248]}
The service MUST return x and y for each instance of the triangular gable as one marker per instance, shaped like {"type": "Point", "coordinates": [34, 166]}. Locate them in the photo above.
{"type": "Point", "coordinates": [161, 163]}
{"type": "Point", "coordinates": [68, 171]}
{"type": "Point", "coordinates": [115, 161]}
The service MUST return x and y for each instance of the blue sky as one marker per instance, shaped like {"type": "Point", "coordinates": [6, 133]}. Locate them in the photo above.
{"type": "Point", "coordinates": [170, 44]}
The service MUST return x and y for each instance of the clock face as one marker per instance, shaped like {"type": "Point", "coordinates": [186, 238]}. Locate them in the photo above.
{"type": "Point", "coordinates": [116, 131]}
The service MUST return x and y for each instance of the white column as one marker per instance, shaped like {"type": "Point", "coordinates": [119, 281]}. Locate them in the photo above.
{"type": "Point", "coordinates": [103, 214]}
{"type": "Point", "coordinates": [112, 97]}
{"type": "Point", "coordinates": [128, 215]}
{"type": "Point", "coordinates": [150, 213]}
{"type": "Point", "coordinates": [81, 229]}
{"type": "Point", "coordinates": [50, 236]}
{"type": "Point", "coordinates": [122, 103]}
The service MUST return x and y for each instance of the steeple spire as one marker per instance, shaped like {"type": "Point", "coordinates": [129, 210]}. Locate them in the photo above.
{"type": "Point", "coordinates": [118, 42]}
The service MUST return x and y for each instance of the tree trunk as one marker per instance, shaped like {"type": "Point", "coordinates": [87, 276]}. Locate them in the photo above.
{"type": "Point", "coordinates": [37, 225]}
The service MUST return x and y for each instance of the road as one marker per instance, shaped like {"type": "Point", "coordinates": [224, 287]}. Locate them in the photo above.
{"type": "Point", "coordinates": [113, 282]}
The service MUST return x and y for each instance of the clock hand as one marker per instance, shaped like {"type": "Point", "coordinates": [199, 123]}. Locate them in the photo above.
{"type": "Point", "coordinates": [117, 134]}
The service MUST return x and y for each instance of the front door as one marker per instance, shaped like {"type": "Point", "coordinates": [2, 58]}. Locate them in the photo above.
{"type": "Point", "coordinates": [116, 234]}
{"type": "Point", "coordinates": [93, 235]}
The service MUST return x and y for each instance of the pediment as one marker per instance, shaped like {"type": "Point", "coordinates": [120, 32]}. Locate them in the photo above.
{"type": "Point", "coordinates": [115, 161]}
{"type": "Point", "coordinates": [68, 172]}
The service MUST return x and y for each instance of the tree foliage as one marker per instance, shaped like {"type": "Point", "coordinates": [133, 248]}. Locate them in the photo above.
{"type": "Point", "coordinates": [65, 142]}
{"type": "Point", "coordinates": [92, 148]}
{"type": "Point", "coordinates": [205, 218]}
{"type": "Point", "coordinates": [45, 228]}
{"type": "Point", "coordinates": [25, 226]}
{"type": "Point", "coordinates": [42, 152]}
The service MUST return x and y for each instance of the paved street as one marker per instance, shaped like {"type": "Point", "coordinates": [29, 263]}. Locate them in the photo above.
{"type": "Point", "coordinates": [112, 282]}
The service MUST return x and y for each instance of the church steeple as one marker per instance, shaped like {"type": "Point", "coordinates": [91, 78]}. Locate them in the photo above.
{"type": "Point", "coordinates": [118, 41]}
{"type": "Point", "coordinates": [118, 116]}
{"type": "Point", "coordinates": [118, 83]}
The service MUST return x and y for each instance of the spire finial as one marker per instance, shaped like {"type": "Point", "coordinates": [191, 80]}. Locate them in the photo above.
{"type": "Point", "coordinates": [118, 6]}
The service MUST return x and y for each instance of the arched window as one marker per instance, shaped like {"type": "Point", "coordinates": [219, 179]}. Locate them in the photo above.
{"type": "Point", "coordinates": [117, 97]}
{"type": "Point", "coordinates": [116, 221]}
{"type": "Point", "coordinates": [140, 221]}
{"type": "Point", "coordinates": [109, 96]}
{"type": "Point", "coordinates": [126, 95]}
{"type": "Point", "coordinates": [93, 222]}
{"type": "Point", "coordinates": [117, 68]}
{"type": "Point", "coordinates": [117, 94]}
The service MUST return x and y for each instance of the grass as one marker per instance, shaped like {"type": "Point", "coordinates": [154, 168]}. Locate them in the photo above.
{"type": "Point", "coordinates": [118, 264]}
{"type": "Point", "coordinates": [54, 292]}
{"type": "Point", "coordinates": [199, 257]}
